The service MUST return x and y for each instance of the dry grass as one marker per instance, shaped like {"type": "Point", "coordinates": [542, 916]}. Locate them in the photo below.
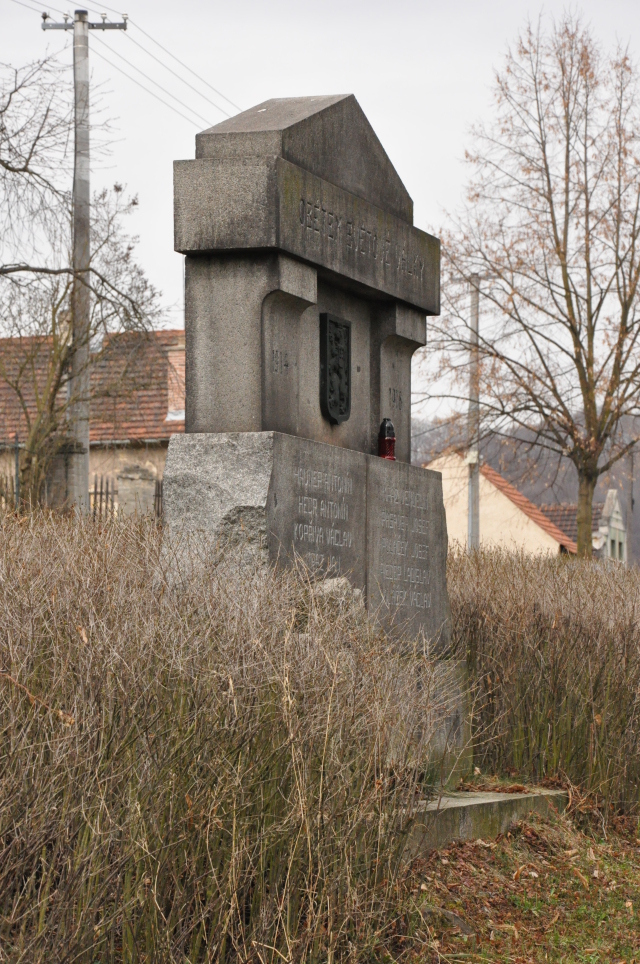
{"type": "Point", "coordinates": [224, 767]}
{"type": "Point", "coordinates": [214, 772]}
{"type": "Point", "coordinates": [553, 647]}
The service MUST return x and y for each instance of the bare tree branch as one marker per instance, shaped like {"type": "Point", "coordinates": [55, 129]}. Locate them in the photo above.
{"type": "Point", "coordinates": [553, 225]}
{"type": "Point", "coordinates": [36, 273]}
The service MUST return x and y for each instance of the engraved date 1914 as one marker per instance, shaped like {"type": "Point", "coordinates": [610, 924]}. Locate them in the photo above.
{"type": "Point", "coordinates": [279, 362]}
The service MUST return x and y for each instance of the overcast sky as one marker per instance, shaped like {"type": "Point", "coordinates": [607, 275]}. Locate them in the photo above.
{"type": "Point", "coordinates": [422, 72]}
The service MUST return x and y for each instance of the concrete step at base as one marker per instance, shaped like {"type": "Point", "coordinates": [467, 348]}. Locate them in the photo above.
{"type": "Point", "coordinates": [469, 816]}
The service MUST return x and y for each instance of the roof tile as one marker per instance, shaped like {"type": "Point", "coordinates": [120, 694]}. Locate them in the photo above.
{"type": "Point", "coordinates": [130, 384]}
{"type": "Point", "coordinates": [529, 509]}
{"type": "Point", "coordinates": [565, 516]}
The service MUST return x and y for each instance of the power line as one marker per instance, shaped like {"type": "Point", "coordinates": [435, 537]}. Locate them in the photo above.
{"type": "Point", "coordinates": [181, 79]}
{"type": "Point", "coordinates": [35, 9]}
{"type": "Point", "coordinates": [133, 79]}
{"type": "Point", "coordinates": [197, 76]}
{"type": "Point", "coordinates": [152, 81]}
{"type": "Point", "coordinates": [153, 94]}
{"type": "Point", "coordinates": [201, 79]}
{"type": "Point", "coordinates": [149, 54]}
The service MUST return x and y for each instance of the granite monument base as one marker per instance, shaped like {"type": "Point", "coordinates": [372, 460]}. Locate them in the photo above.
{"type": "Point", "coordinates": [342, 513]}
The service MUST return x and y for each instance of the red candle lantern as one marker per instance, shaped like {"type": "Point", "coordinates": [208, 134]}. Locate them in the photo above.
{"type": "Point", "coordinates": [387, 440]}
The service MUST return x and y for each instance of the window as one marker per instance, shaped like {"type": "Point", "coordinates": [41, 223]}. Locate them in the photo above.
{"type": "Point", "coordinates": [621, 550]}
{"type": "Point", "coordinates": [612, 554]}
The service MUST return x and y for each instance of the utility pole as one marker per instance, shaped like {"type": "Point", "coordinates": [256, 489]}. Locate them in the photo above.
{"type": "Point", "coordinates": [16, 453]}
{"type": "Point", "coordinates": [473, 446]}
{"type": "Point", "coordinates": [79, 382]}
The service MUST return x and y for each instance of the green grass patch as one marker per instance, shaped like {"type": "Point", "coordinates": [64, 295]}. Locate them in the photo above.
{"type": "Point", "coordinates": [545, 891]}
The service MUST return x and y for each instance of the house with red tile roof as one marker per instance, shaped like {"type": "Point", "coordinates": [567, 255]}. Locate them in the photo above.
{"type": "Point", "coordinates": [507, 518]}
{"type": "Point", "coordinates": [137, 404]}
{"type": "Point", "coordinates": [510, 520]}
{"type": "Point", "coordinates": [609, 530]}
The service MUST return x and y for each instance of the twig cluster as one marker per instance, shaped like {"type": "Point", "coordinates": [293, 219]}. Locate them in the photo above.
{"type": "Point", "coordinates": [217, 768]}
{"type": "Point", "coordinates": [553, 648]}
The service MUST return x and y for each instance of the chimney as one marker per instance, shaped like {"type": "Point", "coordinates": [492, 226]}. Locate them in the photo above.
{"type": "Point", "coordinates": [175, 383]}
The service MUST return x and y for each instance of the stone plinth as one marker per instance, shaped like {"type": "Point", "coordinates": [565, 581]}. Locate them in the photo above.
{"type": "Point", "coordinates": [379, 523]}
{"type": "Point", "coordinates": [406, 544]}
{"type": "Point", "coordinates": [473, 816]}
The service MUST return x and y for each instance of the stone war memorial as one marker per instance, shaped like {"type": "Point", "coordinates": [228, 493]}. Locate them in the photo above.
{"type": "Point", "coordinates": [306, 294]}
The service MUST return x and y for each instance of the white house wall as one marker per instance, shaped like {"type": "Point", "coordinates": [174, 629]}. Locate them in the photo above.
{"type": "Point", "coordinates": [502, 523]}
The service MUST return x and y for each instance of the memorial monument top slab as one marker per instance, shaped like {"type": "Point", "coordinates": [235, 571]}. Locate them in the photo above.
{"type": "Point", "coordinates": [306, 283]}
{"type": "Point", "coordinates": [307, 176]}
{"type": "Point", "coordinates": [327, 136]}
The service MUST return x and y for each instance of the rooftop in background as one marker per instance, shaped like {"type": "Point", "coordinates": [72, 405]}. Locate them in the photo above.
{"type": "Point", "coordinates": [565, 540]}
{"type": "Point", "coordinates": [138, 387]}
{"type": "Point", "coordinates": [565, 516]}
{"type": "Point", "coordinates": [608, 527]}
{"type": "Point", "coordinates": [507, 518]}
{"type": "Point", "coordinates": [510, 520]}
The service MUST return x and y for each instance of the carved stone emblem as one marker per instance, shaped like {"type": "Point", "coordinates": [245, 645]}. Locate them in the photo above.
{"type": "Point", "coordinates": [335, 368]}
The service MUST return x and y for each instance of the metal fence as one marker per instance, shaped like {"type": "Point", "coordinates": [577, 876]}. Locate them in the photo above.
{"type": "Point", "coordinates": [102, 499]}
{"type": "Point", "coordinates": [157, 499]}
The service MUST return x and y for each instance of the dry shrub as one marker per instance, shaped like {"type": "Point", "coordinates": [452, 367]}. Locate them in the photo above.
{"type": "Point", "coordinates": [210, 772]}
{"type": "Point", "coordinates": [553, 645]}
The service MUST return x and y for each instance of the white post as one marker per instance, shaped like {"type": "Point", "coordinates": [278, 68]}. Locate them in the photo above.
{"type": "Point", "coordinates": [473, 450]}
{"type": "Point", "coordinates": [79, 382]}
{"type": "Point", "coordinates": [79, 386]}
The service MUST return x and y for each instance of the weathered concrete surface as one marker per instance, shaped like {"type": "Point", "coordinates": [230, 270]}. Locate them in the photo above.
{"type": "Point", "coordinates": [407, 548]}
{"type": "Point", "coordinates": [256, 203]}
{"type": "Point", "coordinates": [339, 511]}
{"type": "Point", "coordinates": [442, 748]}
{"type": "Point", "coordinates": [469, 816]}
{"type": "Point", "coordinates": [327, 135]}
{"type": "Point", "coordinates": [317, 508]}
{"type": "Point", "coordinates": [224, 364]}
{"type": "Point", "coordinates": [396, 331]}
{"type": "Point", "coordinates": [213, 492]}
{"type": "Point", "coordinates": [450, 745]}
{"type": "Point", "coordinates": [253, 346]}
{"type": "Point", "coordinates": [289, 211]}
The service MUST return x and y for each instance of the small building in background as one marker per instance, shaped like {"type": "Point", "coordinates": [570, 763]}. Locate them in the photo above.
{"type": "Point", "coordinates": [609, 533]}
{"type": "Point", "coordinates": [510, 520]}
{"type": "Point", "coordinates": [507, 518]}
{"type": "Point", "coordinates": [548, 479]}
{"type": "Point", "coordinates": [137, 404]}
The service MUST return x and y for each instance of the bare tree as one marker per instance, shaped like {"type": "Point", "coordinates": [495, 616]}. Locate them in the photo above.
{"type": "Point", "coordinates": [36, 157]}
{"type": "Point", "coordinates": [36, 274]}
{"type": "Point", "coordinates": [552, 230]}
{"type": "Point", "coordinates": [36, 320]}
